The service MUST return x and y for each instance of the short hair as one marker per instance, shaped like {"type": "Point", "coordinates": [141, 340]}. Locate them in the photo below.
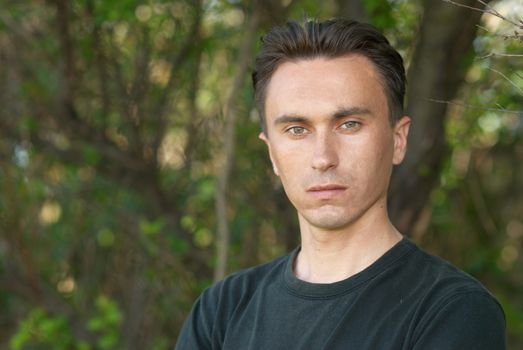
{"type": "Point", "coordinates": [332, 39]}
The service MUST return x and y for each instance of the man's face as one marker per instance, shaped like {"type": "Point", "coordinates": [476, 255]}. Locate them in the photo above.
{"type": "Point", "coordinates": [330, 139]}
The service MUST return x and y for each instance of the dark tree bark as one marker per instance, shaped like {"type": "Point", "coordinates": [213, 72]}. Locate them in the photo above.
{"type": "Point", "coordinates": [353, 9]}
{"type": "Point", "coordinates": [438, 66]}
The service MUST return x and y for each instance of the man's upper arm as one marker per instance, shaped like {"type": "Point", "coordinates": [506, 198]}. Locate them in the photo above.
{"type": "Point", "coordinates": [196, 332]}
{"type": "Point", "coordinates": [469, 320]}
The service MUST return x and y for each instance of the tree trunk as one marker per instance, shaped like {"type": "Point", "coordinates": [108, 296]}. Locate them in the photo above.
{"type": "Point", "coordinates": [352, 9]}
{"type": "Point", "coordinates": [439, 64]}
{"type": "Point", "coordinates": [230, 112]}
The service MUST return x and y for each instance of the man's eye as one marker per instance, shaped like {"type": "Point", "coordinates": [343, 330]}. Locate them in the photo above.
{"type": "Point", "coordinates": [350, 124]}
{"type": "Point", "coordinates": [296, 130]}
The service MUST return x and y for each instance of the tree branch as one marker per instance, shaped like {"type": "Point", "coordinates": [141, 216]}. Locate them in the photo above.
{"type": "Point", "coordinates": [101, 61]}
{"type": "Point", "coordinates": [66, 42]}
{"type": "Point", "coordinates": [500, 54]}
{"type": "Point", "coordinates": [230, 113]}
{"type": "Point", "coordinates": [507, 79]}
{"type": "Point", "coordinates": [139, 88]}
{"type": "Point", "coordinates": [124, 98]}
{"type": "Point", "coordinates": [465, 105]}
{"type": "Point", "coordinates": [486, 9]}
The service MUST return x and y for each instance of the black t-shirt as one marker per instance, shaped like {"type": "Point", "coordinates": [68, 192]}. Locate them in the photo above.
{"type": "Point", "coordinates": [407, 299]}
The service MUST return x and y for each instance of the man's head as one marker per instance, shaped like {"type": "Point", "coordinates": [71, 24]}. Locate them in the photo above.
{"type": "Point", "coordinates": [328, 121]}
{"type": "Point", "coordinates": [329, 39]}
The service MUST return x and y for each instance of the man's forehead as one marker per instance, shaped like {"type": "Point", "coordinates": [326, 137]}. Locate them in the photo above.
{"type": "Point", "coordinates": [322, 62]}
{"type": "Point", "coordinates": [346, 70]}
{"type": "Point", "coordinates": [322, 84]}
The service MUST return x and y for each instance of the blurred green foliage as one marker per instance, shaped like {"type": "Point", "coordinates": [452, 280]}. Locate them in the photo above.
{"type": "Point", "coordinates": [106, 323]}
{"type": "Point", "coordinates": [42, 331]}
{"type": "Point", "coordinates": [111, 145]}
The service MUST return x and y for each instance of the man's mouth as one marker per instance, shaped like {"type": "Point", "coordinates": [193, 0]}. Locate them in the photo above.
{"type": "Point", "coordinates": [326, 191]}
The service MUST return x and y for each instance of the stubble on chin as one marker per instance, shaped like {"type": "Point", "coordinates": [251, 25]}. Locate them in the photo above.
{"type": "Point", "coordinates": [328, 219]}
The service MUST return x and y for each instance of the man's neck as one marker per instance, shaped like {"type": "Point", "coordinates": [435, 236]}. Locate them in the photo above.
{"type": "Point", "coordinates": [328, 256]}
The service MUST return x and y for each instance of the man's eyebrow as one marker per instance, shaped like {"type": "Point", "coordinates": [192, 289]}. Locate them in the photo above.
{"type": "Point", "coordinates": [289, 118]}
{"type": "Point", "coordinates": [345, 112]}
{"type": "Point", "coordinates": [339, 113]}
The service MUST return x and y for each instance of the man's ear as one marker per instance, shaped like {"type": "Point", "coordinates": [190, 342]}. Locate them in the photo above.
{"type": "Point", "coordinates": [401, 133]}
{"type": "Point", "coordinates": [262, 136]}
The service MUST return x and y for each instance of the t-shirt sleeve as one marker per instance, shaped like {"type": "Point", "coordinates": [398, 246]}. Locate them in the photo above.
{"type": "Point", "coordinates": [472, 320]}
{"type": "Point", "coordinates": [196, 332]}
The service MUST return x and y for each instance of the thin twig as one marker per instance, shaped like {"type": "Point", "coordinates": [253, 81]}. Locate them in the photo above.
{"type": "Point", "coordinates": [467, 6]}
{"type": "Point", "coordinates": [469, 106]}
{"type": "Point", "coordinates": [500, 54]}
{"type": "Point", "coordinates": [489, 10]}
{"type": "Point", "coordinates": [507, 79]}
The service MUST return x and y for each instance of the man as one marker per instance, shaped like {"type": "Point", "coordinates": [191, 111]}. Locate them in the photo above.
{"type": "Point", "coordinates": [330, 96]}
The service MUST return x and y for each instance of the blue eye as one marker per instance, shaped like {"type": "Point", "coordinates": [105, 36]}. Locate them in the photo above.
{"type": "Point", "coordinates": [351, 124]}
{"type": "Point", "coordinates": [296, 130]}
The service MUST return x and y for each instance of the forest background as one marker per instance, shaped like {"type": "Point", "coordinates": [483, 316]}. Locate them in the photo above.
{"type": "Point", "coordinates": [131, 175]}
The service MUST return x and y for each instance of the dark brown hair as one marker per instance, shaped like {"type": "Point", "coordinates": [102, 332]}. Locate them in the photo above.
{"type": "Point", "coordinates": [333, 38]}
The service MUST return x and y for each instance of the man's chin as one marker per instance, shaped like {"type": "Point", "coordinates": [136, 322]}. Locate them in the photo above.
{"type": "Point", "coordinates": [329, 221]}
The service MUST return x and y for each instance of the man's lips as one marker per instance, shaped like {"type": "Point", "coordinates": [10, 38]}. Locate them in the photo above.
{"type": "Point", "coordinates": [327, 187]}
{"type": "Point", "coordinates": [326, 191]}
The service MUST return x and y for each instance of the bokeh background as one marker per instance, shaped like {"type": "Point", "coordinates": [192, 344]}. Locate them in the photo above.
{"type": "Point", "coordinates": [131, 175]}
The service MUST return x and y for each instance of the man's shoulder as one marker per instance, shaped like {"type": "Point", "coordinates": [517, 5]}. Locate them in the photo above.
{"type": "Point", "coordinates": [444, 303]}
{"type": "Point", "coordinates": [452, 307]}
{"type": "Point", "coordinates": [441, 283]}
{"type": "Point", "coordinates": [439, 272]}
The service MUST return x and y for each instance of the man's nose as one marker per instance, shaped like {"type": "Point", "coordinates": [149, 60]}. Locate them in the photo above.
{"type": "Point", "coordinates": [325, 155]}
